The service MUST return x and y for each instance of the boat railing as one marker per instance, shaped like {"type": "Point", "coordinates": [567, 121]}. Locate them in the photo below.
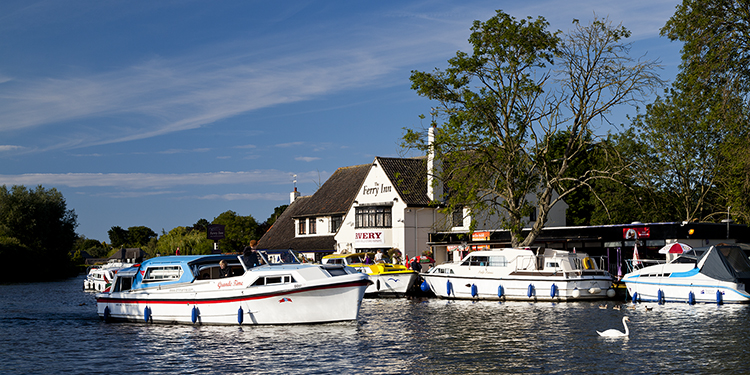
{"type": "Point", "coordinates": [633, 265]}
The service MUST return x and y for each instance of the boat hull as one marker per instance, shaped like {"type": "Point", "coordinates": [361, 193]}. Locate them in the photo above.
{"type": "Point", "coordinates": [208, 303]}
{"type": "Point", "coordinates": [391, 284]}
{"type": "Point", "coordinates": [520, 288]}
{"type": "Point", "coordinates": [702, 289]}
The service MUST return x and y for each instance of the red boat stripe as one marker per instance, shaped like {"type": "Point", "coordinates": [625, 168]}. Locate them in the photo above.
{"type": "Point", "coordinates": [224, 300]}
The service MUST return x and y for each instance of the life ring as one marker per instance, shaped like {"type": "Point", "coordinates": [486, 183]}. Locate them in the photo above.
{"type": "Point", "coordinates": [588, 263]}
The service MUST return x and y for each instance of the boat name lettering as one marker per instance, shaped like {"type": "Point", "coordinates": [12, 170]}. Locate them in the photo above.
{"type": "Point", "coordinates": [229, 283]}
{"type": "Point", "coordinates": [180, 290]}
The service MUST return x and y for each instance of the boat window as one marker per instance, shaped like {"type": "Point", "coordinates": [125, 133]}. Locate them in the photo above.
{"type": "Point", "coordinates": [498, 261]}
{"type": "Point", "coordinates": [123, 284]}
{"type": "Point", "coordinates": [336, 271]}
{"type": "Point", "coordinates": [476, 261]}
{"type": "Point", "coordinates": [552, 265]}
{"type": "Point", "coordinates": [162, 273]}
{"type": "Point", "coordinates": [335, 261]}
{"type": "Point", "coordinates": [271, 280]}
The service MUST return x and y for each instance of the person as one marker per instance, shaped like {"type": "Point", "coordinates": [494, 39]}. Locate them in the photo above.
{"type": "Point", "coordinates": [415, 265]}
{"type": "Point", "coordinates": [224, 271]}
{"type": "Point", "coordinates": [177, 252]}
{"type": "Point", "coordinates": [250, 255]}
{"type": "Point", "coordinates": [379, 256]}
{"type": "Point", "coordinates": [367, 259]}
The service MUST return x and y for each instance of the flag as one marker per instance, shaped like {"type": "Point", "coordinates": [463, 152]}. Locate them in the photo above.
{"type": "Point", "coordinates": [636, 258]}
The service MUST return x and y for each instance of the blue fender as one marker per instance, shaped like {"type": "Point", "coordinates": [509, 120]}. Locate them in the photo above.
{"type": "Point", "coordinates": [240, 316]}
{"type": "Point", "coordinates": [106, 313]}
{"type": "Point", "coordinates": [719, 297]}
{"type": "Point", "coordinates": [635, 297]}
{"type": "Point", "coordinates": [660, 297]}
{"type": "Point", "coordinates": [474, 291]}
{"type": "Point", "coordinates": [425, 286]}
{"type": "Point", "coordinates": [691, 298]}
{"type": "Point", "coordinates": [449, 288]}
{"type": "Point", "coordinates": [146, 314]}
{"type": "Point", "coordinates": [553, 291]}
{"type": "Point", "coordinates": [500, 291]}
{"type": "Point", "coordinates": [194, 314]}
{"type": "Point", "coordinates": [530, 291]}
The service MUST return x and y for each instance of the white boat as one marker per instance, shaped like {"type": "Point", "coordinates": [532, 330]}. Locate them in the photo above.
{"type": "Point", "coordinates": [100, 277]}
{"type": "Point", "coordinates": [521, 274]}
{"type": "Point", "coordinates": [716, 274]}
{"type": "Point", "coordinates": [388, 279]}
{"type": "Point", "coordinates": [188, 289]}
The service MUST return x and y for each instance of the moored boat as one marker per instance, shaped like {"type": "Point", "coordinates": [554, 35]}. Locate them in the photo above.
{"type": "Point", "coordinates": [521, 274]}
{"type": "Point", "coordinates": [715, 274]}
{"type": "Point", "coordinates": [188, 289]}
{"type": "Point", "coordinates": [388, 279]}
{"type": "Point", "coordinates": [100, 277]}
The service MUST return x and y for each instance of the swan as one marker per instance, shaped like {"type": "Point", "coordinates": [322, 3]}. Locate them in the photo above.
{"type": "Point", "coordinates": [603, 307]}
{"type": "Point", "coordinates": [616, 307]}
{"type": "Point", "coordinates": [616, 333]}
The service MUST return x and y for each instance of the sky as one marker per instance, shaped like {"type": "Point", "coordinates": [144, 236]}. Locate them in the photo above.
{"type": "Point", "coordinates": [161, 113]}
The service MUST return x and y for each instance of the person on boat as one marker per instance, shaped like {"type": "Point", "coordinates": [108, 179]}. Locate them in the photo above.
{"type": "Point", "coordinates": [225, 271]}
{"type": "Point", "coordinates": [250, 255]}
{"type": "Point", "coordinates": [379, 256]}
{"type": "Point", "coordinates": [367, 259]}
{"type": "Point", "coordinates": [416, 265]}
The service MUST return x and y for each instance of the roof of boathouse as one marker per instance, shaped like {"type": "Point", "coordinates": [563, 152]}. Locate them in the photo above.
{"type": "Point", "coordinates": [409, 177]}
{"type": "Point", "coordinates": [335, 196]}
{"type": "Point", "coordinates": [281, 235]}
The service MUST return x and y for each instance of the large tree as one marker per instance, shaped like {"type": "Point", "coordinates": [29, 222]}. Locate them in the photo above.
{"type": "Point", "coordinates": [238, 230]}
{"type": "Point", "coordinates": [502, 106]}
{"type": "Point", "coordinates": [35, 226]}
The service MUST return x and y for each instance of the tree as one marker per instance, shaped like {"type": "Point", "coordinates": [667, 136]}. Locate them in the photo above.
{"type": "Point", "coordinates": [93, 247]}
{"type": "Point", "coordinates": [118, 237]}
{"type": "Point", "coordinates": [502, 107]}
{"type": "Point", "coordinates": [266, 225]}
{"type": "Point", "coordinates": [140, 236]}
{"type": "Point", "coordinates": [35, 225]}
{"type": "Point", "coordinates": [238, 230]}
{"type": "Point", "coordinates": [189, 241]}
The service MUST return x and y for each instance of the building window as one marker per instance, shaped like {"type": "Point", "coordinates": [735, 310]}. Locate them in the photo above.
{"type": "Point", "coordinates": [373, 217]}
{"type": "Point", "coordinates": [302, 226]}
{"type": "Point", "coordinates": [458, 217]}
{"type": "Point", "coordinates": [336, 223]}
{"type": "Point", "coordinates": [311, 222]}
{"type": "Point", "coordinates": [532, 215]}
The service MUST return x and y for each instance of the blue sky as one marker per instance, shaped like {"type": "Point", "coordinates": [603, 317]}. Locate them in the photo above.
{"type": "Point", "coordinates": [160, 113]}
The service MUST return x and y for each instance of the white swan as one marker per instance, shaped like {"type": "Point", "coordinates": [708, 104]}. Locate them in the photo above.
{"type": "Point", "coordinates": [616, 333]}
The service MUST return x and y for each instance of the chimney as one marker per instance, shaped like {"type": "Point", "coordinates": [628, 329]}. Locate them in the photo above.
{"type": "Point", "coordinates": [434, 167]}
{"type": "Point", "coordinates": [293, 195]}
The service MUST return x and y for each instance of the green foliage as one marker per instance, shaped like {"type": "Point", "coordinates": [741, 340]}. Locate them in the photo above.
{"type": "Point", "coordinates": [118, 237]}
{"type": "Point", "coordinates": [238, 231]}
{"type": "Point", "coordinates": [188, 240]}
{"type": "Point", "coordinates": [504, 113]}
{"type": "Point", "coordinates": [140, 236]}
{"type": "Point", "coordinates": [266, 225]}
{"type": "Point", "coordinates": [93, 247]}
{"type": "Point", "coordinates": [35, 225]}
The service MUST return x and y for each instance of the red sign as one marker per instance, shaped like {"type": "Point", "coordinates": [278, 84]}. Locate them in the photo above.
{"type": "Point", "coordinates": [480, 236]}
{"type": "Point", "coordinates": [636, 233]}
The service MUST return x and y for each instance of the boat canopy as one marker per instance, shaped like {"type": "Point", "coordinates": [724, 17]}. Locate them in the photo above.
{"type": "Point", "coordinates": [725, 263]}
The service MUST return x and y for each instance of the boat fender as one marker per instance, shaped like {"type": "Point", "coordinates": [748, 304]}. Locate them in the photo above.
{"type": "Point", "coordinates": [146, 314]}
{"type": "Point", "coordinates": [240, 315]}
{"type": "Point", "coordinates": [611, 293]}
{"type": "Point", "coordinates": [691, 298]}
{"type": "Point", "coordinates": [553, 291]}
{"type": "Point", "coordinates": [588, 263]}
{"type": "Point", "coordinates": [719, 298]}
{"type": "Point", "coordinates": [194, 314]}
{"type": "Point", "coordinates": [530, 291]}
{"type": "Point", "coordinates": [500, 291]}
{"type": "Point", "coordinates": [474, 291]}
{"type": "Point", "coordinates": [660, 297]}
{"type": "Point", "coordinates": [378, 284]}
{"type": "Point", "coordinates": [449, 288]}
{"type": "Point", "coordinates": [635, 297]}
{"type": "Point", "coordinates": [425, 286]}
{"type": "Point", "coordinates": [576, 293]}
{"type": "Point", "coordinates": [106, 313]}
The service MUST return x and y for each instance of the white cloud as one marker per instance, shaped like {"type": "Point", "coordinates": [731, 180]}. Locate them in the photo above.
{"type": "Point", "coordinates": [151, 180]}
{"type": "Point", "coordinates": [306, 158]}
{"type": "Point", "coordinates": [10, 148]}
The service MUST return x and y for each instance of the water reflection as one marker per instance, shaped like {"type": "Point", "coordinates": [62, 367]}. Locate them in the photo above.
{"type": "Point", "coordinates": [53, 327]}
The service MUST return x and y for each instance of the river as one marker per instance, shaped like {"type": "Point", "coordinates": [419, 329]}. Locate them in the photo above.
{"type": "Point", "coordinates": [53, 328]}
